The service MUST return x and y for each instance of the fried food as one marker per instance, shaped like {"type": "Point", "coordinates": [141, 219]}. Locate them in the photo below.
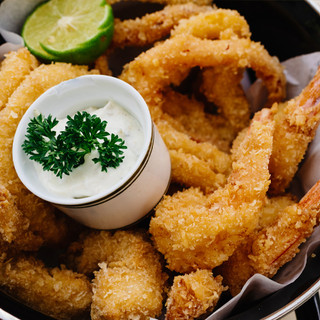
{"type": "Point", "coordinates": [193, 230]}
{"type": "Point", "coordinates": [214, 24]}
{"type": "Point", "coordinates": [14, 226]}
{"type": "Point", "coordinates": [186, 52]}
{"type": "Point", "coordinates": [14, 68]}
{"type": "Point", "coordinates": [192, 295]}
{"type": "Point", "coordinates": [127, 260]}
{"type": "Point", "coordinates": [183, 52]}
{"type": "Point", "coordinates": [222, 86]}
{"type": "Point", "coordinates": [44, 220]}
{"type": "Point", "coordinates": [122, 293]}
{"type": "Point", "coordinates": [154, 26]}
{"type": "Point", "coordinates": [223, 164]}
{"type": "Point", "coordinates": [188, 169]}
{"type": "Point", "coordinates": [275, 244]}
{"type": "Point", "coordinates": [122, 248]}
{"type": "Point", "coordinates": [237, 270]}
{"type": "Point", "coordinates": [296, 123]}
{"type": "Point", "coordinates": [170, 2]}
{"type": "Point", "coordinates": [57, 292]}
{"type": "Point", "coordinates": [188, 115]}
{"type": "Point", "coordinates": [148, 29]}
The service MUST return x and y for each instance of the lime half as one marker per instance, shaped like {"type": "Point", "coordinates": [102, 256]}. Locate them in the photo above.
{"type": "Point", "coordinates": [70, 31]}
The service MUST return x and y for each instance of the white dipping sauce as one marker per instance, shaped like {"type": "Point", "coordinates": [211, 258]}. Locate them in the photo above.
{"type": "Point", "coordinates": [88, 179]}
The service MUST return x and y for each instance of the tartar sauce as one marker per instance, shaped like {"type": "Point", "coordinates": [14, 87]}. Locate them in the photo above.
{"type": "Point", "coordinates": [88, 179]}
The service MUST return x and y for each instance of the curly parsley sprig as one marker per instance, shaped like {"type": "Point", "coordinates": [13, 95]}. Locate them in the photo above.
{"type": "Point", "coordinates": [83, 134]}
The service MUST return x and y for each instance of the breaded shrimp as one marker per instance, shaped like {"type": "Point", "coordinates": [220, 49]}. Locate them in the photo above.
{"type": "Point", "coordinates": [194, 164]}
{"type": "Point", "coordinates": [121, 293]}
{"type": "Point", "coordinates": [214, 24]}
{"type": "Point", "coordinates": [174, 57]}
{"type": "Point", "coordinates": [145, 31]}
{"type": "Point", "coordinates": [14, 225]}
{"type": "Point", "coordinates": [183, 52]}
{"type": "Point", "coordinates": [44, 220]}
{"type": "Point", "coordinates": [192, 295]}
{"type": "Point", "coordinates": [169, 2]}
{"type": "Point", "coordinates": [60, 293]}
{"type": "Point", "coordinates": [153, 26]}
{"type": "Point", "coordinates": [130, 282]}
{"type": "Point", "coordinates": [14, 68]}
{"type": "Point", "coordinates": [188, 115]}
{"type": "Point", "coordinates": [222, 86]}
{"type": "Point", "coordinates": [193, 230]}
{"type": "Point", "coordinates": [295, 125]}
{"type": "Point", "coordinates": [122, 248]}
{"type": "Point", "coordinates": [275, 244]}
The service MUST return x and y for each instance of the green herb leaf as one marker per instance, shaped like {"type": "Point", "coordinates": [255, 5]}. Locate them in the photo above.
{"type": "Point", "coordinates": [83, 134]}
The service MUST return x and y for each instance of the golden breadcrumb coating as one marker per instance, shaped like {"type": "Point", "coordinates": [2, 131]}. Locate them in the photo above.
{"type": "Point", "coordinates": [222, 86]}
{"type": "Point", "coordinates": [183, 52]}
{"type": "Point", "coordinates": [153, 26]}
{"type": "Point", "coordinates": [170, 2]}
{"type": "Point", "coordinates": [130, 282]}
{"type": "Point", "coordinates": [214, 24]}
{"type": "Point", "coordinates": [122, 248]}
{"type": "Point", "coordinates": [296, 123]}
{"type": "Point", "coordinates": [57, 292]}
{"type": "Point", "coordinates": [188, 115]}
{"type": "Point", "coordinates": [192, 295]}
{"type": "Point", "coordinates": [197, 231]}
{"type": "Point", "coordinates": [43, 218]}
{"type": "Point", "coordinates": [14, 68]}
{"type": "Point", "coordinates": [148, 29]}
{"type": "Point", "coordinates": [14, 225]}
{"type": "Point", "coordinates": [278, 240]}
{"type": "Point", "coordinates": [238, 269]}
{"type": "Point", "coordinates": [192, 161]}
{"type": "Point", "coordinates": [121, 293]}
{"type": "Point", "coordinates": [172, 59]}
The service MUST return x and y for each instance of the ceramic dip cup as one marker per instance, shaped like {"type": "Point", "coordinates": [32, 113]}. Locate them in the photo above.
{"type": "Point", "coordinates": [134, 194]}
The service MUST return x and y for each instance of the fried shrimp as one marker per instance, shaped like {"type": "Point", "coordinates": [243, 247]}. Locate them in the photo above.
{"type": "Point", "coordinates": [189, 169]}
{"type": "Point", "coordinates": [170, 2]}
{"type": "Point", "coordinates": [14, 68]}
{"type": "Point", "coordinates": [153, 26]}
{"type": "Point", "coordinates": [186, 52]}
{"type": "Point", "coordinates": [222, 86]}
{"type": "Point", "coordinates": [193, 230]}
{"type": "Point", "coordinates": [214, 24]}
{"type": "Point", "coordinates": [122, 293]}
{"type": "Point", "coordinates": [188, 116]}
{"type": "Point", "coordinates": [57, 292]}
{"type": "Point", "coordinates": [192, 295]}
{"type": "Point", "coordinates": [183, 52]}
{"type": "Point", "coordinates": [43, 218]}
{"type": "Point", "coordinates": [145, 31]}
{"type": "Point", "coordinates": [295, 125]}
{"type": "Point", "coordinates": [130, 282]}
{"type": "Point", "coordinates": [277, 243]}
{"type": "Point", "coordinates": [14, 226]}
{"type": "Point", "coordinates": [121, 248]}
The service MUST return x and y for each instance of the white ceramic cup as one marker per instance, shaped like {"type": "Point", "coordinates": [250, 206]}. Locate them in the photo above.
{"type": "Point", "coordinates": [130, 199]}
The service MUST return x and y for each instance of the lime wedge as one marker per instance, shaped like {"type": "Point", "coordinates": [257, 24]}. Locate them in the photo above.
{"type": "Point", "coordinates": [70, 31]}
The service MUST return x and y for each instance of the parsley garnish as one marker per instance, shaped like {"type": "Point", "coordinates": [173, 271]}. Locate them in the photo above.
{"type": "Point", "coordinates": [83, 134]}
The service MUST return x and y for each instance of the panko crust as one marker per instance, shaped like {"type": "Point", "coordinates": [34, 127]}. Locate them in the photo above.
{"type": "Point", "coordinates": [57, 292]}
{"type": "Point", "coordinates": [192, 295]}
